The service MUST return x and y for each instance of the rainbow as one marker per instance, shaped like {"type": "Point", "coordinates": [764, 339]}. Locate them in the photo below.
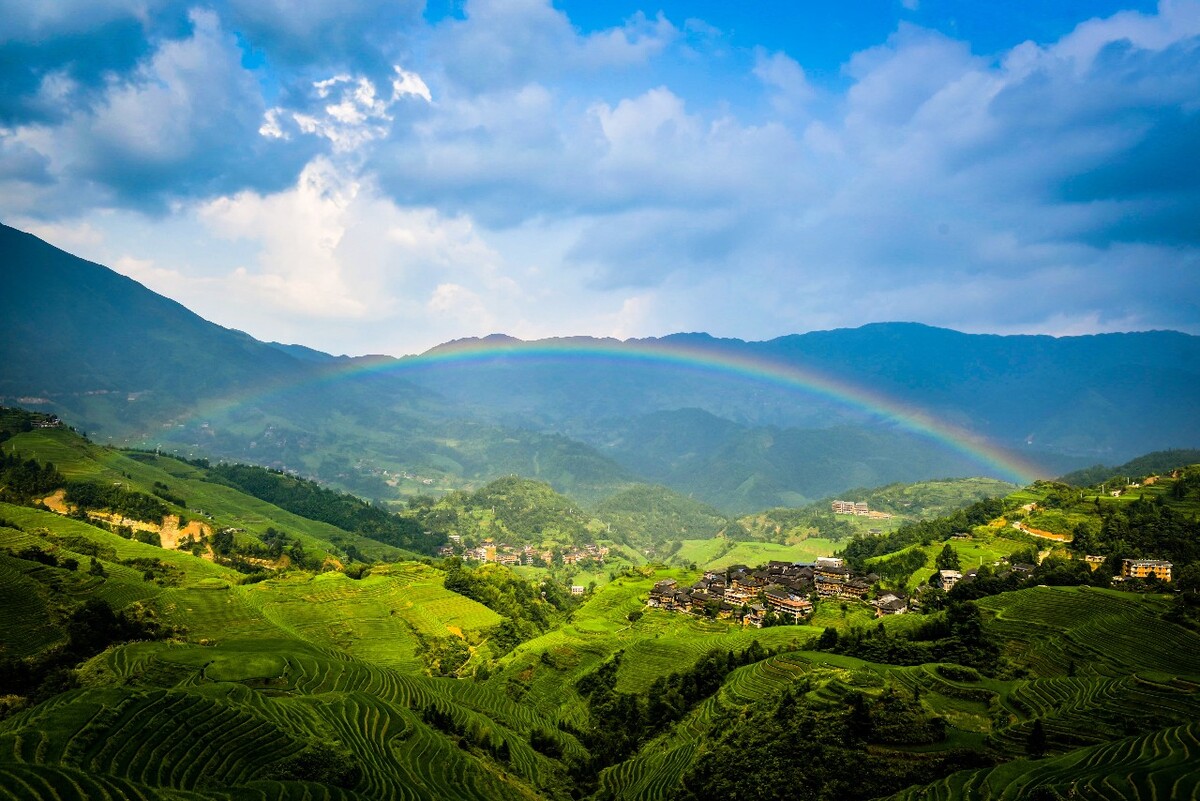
{"type": "Point", "coordinates": [669, 353]}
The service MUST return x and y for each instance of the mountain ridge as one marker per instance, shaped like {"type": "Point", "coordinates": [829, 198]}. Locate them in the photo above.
{"type": "Point", "coordinates": [132, 367]}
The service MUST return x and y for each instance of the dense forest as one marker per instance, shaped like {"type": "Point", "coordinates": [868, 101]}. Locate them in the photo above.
{"type": "Point", "coordinates": [309, 499]}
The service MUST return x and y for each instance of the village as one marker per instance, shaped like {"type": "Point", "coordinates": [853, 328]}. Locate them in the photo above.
{"type": "Point", "coordinates": [783, 593]}
{"type": "Point", "coordinates": [532, 555]}
{"type": "Point", "coordinates": [778, 592]}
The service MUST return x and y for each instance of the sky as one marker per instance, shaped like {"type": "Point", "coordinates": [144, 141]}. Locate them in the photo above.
{"type": "Point", "coordinates": [379, 176]}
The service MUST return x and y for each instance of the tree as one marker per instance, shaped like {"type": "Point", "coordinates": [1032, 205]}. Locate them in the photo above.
{"type": "Point", "coordinates": [948, 559]}
{"type": "Point", "coordinates": [828, 638]}
{"type": "Point", "coordinates": [1035, 745]}
{"type": "Point", "coordinates": [1188, 579]}
{"type": "Point", "coordinates": [858, 722]}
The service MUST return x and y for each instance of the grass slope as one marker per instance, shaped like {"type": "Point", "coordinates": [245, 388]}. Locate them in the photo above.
{"type": "Point", "coordinates": [314, 685]}
{"type": "Point", "coordinates": [215, 505]}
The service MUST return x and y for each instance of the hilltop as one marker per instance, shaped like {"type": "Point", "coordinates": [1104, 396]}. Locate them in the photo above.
{"type": "Point", "coordinates": [1147, 464]}
{"type": "Point", "coordinates": [1069, 534]}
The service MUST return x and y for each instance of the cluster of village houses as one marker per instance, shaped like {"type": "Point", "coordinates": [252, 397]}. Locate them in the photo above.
{"type": "Point", "coordinates": [505, 554]}
{"type": "Point", "coordinates": [784, 589]}
{"type": "Point", "coordinates": [1130, 569]}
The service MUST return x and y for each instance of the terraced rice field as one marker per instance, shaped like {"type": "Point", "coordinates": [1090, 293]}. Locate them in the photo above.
{"type": "Point", "coordinates": [376, 619]}
{"type": "Point", "coordinates": [303, 660]}
{"type": "Point", "coordinates": [1150, 768]}
{"type": "Point", "coordinates": [1102, 631]}
{"type": "Point", "coordinates": [655, 772]}
{"type": "Point", "coordinates": [23, 610]}
{"type": "Point", "coordinates": [717, 554]}
{"type": "Point", "coordinates": [1077, 712]}
{"type": "Point", "coordinates": [210, 730]}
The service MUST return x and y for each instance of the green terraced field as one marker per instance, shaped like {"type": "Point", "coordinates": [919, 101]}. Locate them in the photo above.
{"type": "Point", "coordinates": [24, 610]}
{"type": "Point", "coordinates": [377, 618]}
{"type": "Point", "coordinates": [222, 506]}
{"type": "Point", "coordinates": [1104, 631]}
{"type": "Point", "coordinates": [314, 685]}
{"type": "Point", "coordinates": [1157, 766]}
{"type": "Point", "coordinates": [717, 554]}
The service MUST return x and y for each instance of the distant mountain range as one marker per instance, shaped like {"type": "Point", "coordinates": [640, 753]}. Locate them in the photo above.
{"type": "Point", "coordinates": [738, 425]}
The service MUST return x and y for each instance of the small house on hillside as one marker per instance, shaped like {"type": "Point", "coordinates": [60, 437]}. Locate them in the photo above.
{"type": "Point", "coordinates": [662, 595]}
{"type": "Point", "coordinates": [890, 604]}
{"type": "Point", "coordinates": [946, 579]}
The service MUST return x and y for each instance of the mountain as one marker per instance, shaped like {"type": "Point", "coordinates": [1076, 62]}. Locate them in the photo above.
{"type": "Point", "coordinates": [743, 469]}
{"type": "Point", "coordinates": [70, 328]}
{"type": "Point", "coordinates": [740, 426]}
{"type": "Point", "coordinates": [1150, 463]}
{"type": "Point", "coordinates": [134, 368]}
{"type": "Point", "coordinates": [1077, 396]}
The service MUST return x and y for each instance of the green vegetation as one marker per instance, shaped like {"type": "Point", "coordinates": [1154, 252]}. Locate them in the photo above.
{"type": "Point", "coordinates": [840, 749]}
{"type": "Point", "coordinates": [646, 514]}
{"type": "Point", "coordinates": [512, 510]}
{"type": "Point", "coordinates": [924, 499]}
{"type": "Point", "coordinates": [529, 609]}
{"type": "Point", "coordinates": [1148, 465]}
{"type": "Point", "coordinates": [132, 671]}
{"type": "Point", "coordinates": [310, 500]}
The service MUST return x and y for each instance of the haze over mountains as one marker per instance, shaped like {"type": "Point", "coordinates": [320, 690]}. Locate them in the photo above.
{"type": "Point", "coordinates": [129, 365]}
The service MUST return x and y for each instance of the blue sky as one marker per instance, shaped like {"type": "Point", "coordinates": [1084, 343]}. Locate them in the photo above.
{"type": "Point", "coordinates": [383, 175]}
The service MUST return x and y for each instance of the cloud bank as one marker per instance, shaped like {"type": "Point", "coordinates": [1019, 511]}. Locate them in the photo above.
{"type": "Point", "coordinates": [361, 178]}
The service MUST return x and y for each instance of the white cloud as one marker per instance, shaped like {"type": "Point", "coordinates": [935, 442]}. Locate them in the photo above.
{"type": "Point", "coordinates": [519, 174]}
{"type": "Point", "coordinates": [505, 43]}
{"type": "Point", "coordinates": [464, 307]}
{"type": "Point", "coordinates": [1175, 21]}
{"type": "Point", "coordinates": [347, 110]}
{"type": "Point", "coordinates": [409, 83]}
{"type": "Point", "coordinates": [21, 20]}
{"type": "Point", "coordinates": [790, 89]}
{"type": "Point", "coordinates": [183, 121]}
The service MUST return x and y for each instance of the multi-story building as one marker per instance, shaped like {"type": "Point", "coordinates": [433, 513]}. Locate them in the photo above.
{"type": "Point", "coordinates": [1146, 568]}
{"type": "Point", "coordinates": [782, 600]}
{"type": "Point", "coordinates": [946, 579]}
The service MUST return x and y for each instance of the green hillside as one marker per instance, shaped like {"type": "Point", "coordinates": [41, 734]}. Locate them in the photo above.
{"type": "Point", "coordinates": [514, 510]}
{"type": "Point", "coordinates": [135, 671]}
{"type": "Point", "coordinates": [646, 514]}
{"type": "Point", "coordinates": [1147, 465]}
{"type": "Point", "coordinates": [185, 493]}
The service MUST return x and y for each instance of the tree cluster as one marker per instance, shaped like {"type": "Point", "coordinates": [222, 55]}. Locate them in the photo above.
{"type": "Point", "coordinates": [792, 747]}
{"type": "Point", "coordinates": [921, 532]}
{"type": "Point", "coordinates": [309, 499]}
{"type": "Point", "coordinates": [954, 635]}
{"type": "Point", "coordinates": [528, 608]}
{"type": "Point", "coordinates": [24, 480]}
{"type": "Point", "coordinates": [90, 628]}
{"type": "Point", "coordinates": [87, 495]}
